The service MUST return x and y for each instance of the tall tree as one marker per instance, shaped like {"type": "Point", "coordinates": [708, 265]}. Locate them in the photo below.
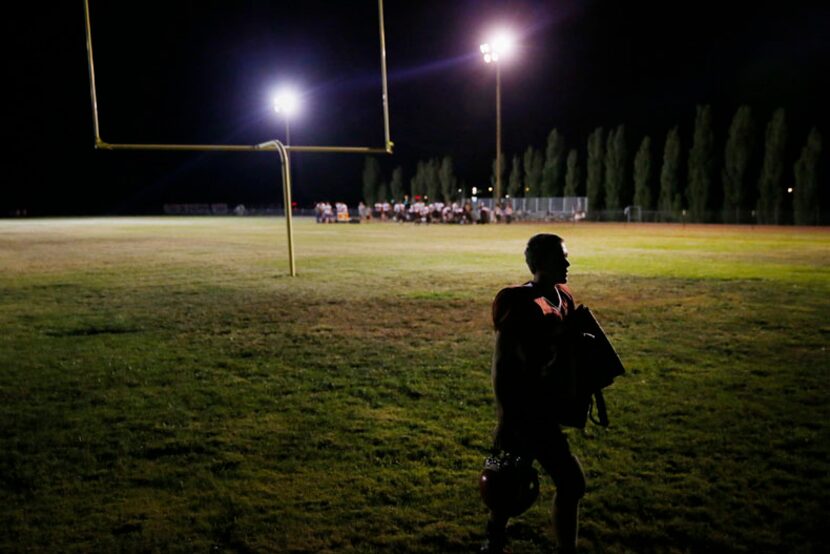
{"type": "Point", "coordinates": [447, 179]}
{"type": "Point", "coordinates": [807, 195]}
{"type": "Point", "coordinates": [769, 185]}
{"type": "Point", "coordinates": [538, 168]}
{"type": "Point", "coordinates": [626, 188]}
{"type": "Point", "coordinates": [432, 182]}
{"type": "Point", "coordinates": [611, 201]}
{"type": "Point", "coordinates": [596, 161]}
{"type": "Point", "coordinates": [642, 175]}
{"type": "Point", "coordinates": [701, 163]}
{"type": "Point", "coordinates": [371, 179]}
{"type": "Point", "coordinates": [382, 195]}
{"type": "Point", "coordinates": [533, 166]}
{"type": "Point", "coordinates": [527, 164]}
{"type": "Point", "coordinates": [572, 176]}
{"type": "Point", "coordinates": [396, 185]}
{"type": "Point", "coordinates": [554, 158]}
{"type": "Point", "coordinates": [418, 182]}
{"type": "Point", "coordinates": [669, 201]}
{"type": "Point", "coordinates": [738, 151]}
{"type": "Point", "coordinates": [615, 157]}
{"type": "Point", "coordinates": [515, 185]}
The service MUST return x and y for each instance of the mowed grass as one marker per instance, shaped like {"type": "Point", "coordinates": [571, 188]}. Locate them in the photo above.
{"type": "Point", "coordinates": [165, 386]}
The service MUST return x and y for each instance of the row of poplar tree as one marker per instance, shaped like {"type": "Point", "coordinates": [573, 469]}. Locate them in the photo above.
{"type": "Point", "coordinates": [695, 189]}
{"type": "Point", "coordinates": [707, 194]}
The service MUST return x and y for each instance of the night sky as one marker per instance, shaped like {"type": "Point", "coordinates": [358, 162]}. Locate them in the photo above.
{"type": "Point", "coordinates": [203, 72]}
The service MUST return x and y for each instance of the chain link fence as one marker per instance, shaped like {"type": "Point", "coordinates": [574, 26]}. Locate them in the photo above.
{"type": "Point", "coordinates": [558, 208]}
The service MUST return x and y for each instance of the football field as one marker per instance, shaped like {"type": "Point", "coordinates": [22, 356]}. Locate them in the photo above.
{"type": "Point", "coordinates": [166, 386]}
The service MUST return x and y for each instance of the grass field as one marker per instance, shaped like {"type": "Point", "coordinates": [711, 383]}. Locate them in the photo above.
{"type": "Point", "coordinates": [164, 386]}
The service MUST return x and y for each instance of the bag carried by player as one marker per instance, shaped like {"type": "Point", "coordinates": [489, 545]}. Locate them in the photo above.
{"type": "Point", "coordinates": [591, 365]}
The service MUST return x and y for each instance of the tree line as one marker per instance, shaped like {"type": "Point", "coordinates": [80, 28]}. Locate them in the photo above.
{"type": "Point", "coordinates": [748, 181]}
{"type": "Point", "coordinates": [434, 179]}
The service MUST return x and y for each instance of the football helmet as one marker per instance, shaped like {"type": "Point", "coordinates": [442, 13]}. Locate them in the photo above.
{"type": "Point", "coordinates": [509, 484]}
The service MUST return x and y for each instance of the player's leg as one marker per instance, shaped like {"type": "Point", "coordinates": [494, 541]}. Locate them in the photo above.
{"type": "Point", "coordinates": [569, 478]}
{"type": "Point", "coordinates": [495, 534]}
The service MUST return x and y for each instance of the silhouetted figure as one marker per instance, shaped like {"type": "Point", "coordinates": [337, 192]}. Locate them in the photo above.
{"type": "Point", "coordinates": [531, 342]}
{"type": "Point", "coordinates": [467, 212]}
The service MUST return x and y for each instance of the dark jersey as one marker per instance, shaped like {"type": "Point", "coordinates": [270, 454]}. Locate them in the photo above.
{"type": "Point", "coordinates": [531, 340]}
{"type": "Point", "coordinates": [526, 306]}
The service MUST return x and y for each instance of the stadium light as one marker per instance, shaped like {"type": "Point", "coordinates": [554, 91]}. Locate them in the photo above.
{"type": "Point", "coordinates": [287, 104]}
{"type": "Point", "coordinates": [499, 47]}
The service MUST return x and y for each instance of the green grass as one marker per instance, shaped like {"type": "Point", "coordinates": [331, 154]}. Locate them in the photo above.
{"type": "Point", "coordinates": [164, 386]}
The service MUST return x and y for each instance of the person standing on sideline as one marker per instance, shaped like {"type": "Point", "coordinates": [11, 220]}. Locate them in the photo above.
{"type": "Point", "coordinates": [531, 341]}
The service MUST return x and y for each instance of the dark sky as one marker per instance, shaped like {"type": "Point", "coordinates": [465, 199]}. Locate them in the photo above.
{"type": "Point", "coordinates": [203, 71]}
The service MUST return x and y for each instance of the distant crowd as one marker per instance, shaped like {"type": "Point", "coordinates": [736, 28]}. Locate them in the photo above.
{"type": "Point", "coordinates": [325, 213]}
{"type": "Point", "coordinates": [415, 212]}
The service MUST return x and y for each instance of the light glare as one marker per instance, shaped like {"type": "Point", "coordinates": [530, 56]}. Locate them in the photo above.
{"type": "Point", "coordinates": [286, 102]}
{"type": "Point", "coordinates": [501, 45]}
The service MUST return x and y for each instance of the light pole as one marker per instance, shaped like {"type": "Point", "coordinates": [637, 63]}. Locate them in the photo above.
{"type": "Point", "coordinates": [493, 52]}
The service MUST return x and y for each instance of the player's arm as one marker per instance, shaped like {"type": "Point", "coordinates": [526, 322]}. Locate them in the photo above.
{"type": "Point", "coordinates": [511, 381]}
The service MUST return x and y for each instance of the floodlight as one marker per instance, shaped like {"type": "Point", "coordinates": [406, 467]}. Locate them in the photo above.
{"type": "Point", "coordinates": [500, 45]}
{"type": "Point", "coordinates": [503, 43]}
{"type": "Point", "coordinates": [286, 102]}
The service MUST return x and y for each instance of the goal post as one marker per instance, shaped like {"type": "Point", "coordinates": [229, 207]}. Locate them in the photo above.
{"type": "Point", "coordinates": [277, 146]}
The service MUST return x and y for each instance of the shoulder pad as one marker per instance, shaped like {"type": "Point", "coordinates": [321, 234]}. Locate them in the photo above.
{"type": "Point", "coordinates": [512, 307]}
